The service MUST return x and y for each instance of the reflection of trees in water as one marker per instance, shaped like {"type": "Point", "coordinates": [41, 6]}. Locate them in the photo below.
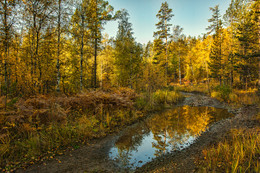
{"type": "Point", "coordinates": [176, 126]}
{"type": "Point", "coordinates": [170, 128]}
{"type": "Point", "coordinates": [130, 141]}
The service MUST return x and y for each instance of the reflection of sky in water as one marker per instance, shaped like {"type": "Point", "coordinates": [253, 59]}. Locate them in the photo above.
{"type": "Point", "coordinates": [145, 141]}
{"type": "Point", "coordinates": [145, 152]}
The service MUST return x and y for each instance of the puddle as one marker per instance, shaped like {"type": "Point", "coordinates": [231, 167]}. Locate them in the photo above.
{"type": "Point", "coordinates": [172, 130]}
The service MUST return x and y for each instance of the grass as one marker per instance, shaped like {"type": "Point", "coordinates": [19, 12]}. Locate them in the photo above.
{"type": "Point", "coordinates": [235, 97]}
{"type": "Point", "coordinates": [31, 144]}
{"type": "Point", "coordinates": [240, 152]}
{"type": "Point", "coordinates": [39, 128]}
{"type": "Point", "coordinates": [201, 88]}
{"type": "Point", "coordinates": [158, 100]}
{"type": "Point", "coordinates": [36, 129]}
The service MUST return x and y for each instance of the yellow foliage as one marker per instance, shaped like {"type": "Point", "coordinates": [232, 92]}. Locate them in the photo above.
{"type": "Point", "coordinates": [215, 94]}
{"type": "Point", "coordinates": [233, 97]}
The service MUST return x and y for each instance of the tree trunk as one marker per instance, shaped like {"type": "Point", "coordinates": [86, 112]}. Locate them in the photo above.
{"type": "Point", "coordinates": [258, 12]}
{"type": "Point", "coordinates": [180, 68]}
{"type": "Point", "coordinates": [166, 64]}
{"type": "Point", "coordinates": [58, 50]}
{"type": "Point", "coordinates": [95, 61]}
{"type": "Point", "coordinates": [6, 47]}
{"type": "Point", "coordinates": [81, 53]}
{"type": "Point", "coordinates": [96, 47]}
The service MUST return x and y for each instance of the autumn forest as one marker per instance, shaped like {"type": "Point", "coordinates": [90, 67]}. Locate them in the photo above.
{"type": "Point", "coordinates": [64, 81]}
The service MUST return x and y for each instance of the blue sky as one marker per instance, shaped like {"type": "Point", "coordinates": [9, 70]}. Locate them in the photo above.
{"type": "Point", "coordinates": [192, 15]}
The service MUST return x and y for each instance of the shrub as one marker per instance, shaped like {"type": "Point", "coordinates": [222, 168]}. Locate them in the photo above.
{"type": "Point", "coordinates": [141, 103]}
{"type": "Point", "coordinates": [216, 95]}
{"type": "Point", "coordinates": [233, 97]}
{"type": "Point", "coordinates": [224, 91]}
{"type": "Point", "coordinates": [164, 96]}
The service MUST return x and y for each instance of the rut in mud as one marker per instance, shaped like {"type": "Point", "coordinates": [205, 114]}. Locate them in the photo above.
{"type": "Point", "coordinates": [119, 152]}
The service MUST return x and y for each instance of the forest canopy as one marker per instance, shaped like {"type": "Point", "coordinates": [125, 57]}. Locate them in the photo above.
{"type": "Point", "coordinates": [60, 46]}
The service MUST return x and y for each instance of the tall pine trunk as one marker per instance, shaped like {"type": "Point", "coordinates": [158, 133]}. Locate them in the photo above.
{"type": "Point", "coordinates": [58, 50]}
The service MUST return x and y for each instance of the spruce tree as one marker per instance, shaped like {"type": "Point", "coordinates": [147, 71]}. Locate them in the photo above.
{"type": "Point", "coordinates": [215, 64]}
{"type": "Point", "coordinates": [177, 36]}
{"type": "Point", "coordinates": [232, 17]}
{"type": "Point", "coordinates": [127, 53]}
{"type": "Point", "coordinates": [248, 36]}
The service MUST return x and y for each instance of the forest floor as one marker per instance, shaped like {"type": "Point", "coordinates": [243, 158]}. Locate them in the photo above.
{"type": "Point", "coordinates": [94, 156]}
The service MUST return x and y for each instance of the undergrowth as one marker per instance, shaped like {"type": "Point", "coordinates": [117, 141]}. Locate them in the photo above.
{"type": "Point", "coordinates": [239, 153]}
{"type": "Point", "coordinates": [38, 128]}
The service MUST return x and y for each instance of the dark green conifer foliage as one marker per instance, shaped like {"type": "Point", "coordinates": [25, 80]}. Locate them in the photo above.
{"type": "Point", "coordinates": [215, 64]}
{"type": "Point", "coordinates": [248, 36]}
{"type": "Point", "coordinates": [164, 15]}
{"type": "Point", "coordinates": [127, 53]}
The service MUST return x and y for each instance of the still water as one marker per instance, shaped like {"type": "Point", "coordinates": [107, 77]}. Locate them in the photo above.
{"type": "Point", "coordinates": [171, 130]}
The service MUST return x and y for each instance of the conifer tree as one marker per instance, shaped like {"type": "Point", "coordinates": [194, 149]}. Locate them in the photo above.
{"type": "Point", "coordinates": [232, 17]}
{"type": "Point", "coordinates": [99, 13]}
{"type": "Point", "coordinates": [164, 15]}
{"type": "Point", "coordinates": [176, 37]}
{"type": "Point", "coordinates": [127, 53]}
{"type": "Point", "coordinates": [124, 45]}
{"type": "Point", "coordinates": [215, 64]}
{"type": "Point", "coordinates": [248, 37]}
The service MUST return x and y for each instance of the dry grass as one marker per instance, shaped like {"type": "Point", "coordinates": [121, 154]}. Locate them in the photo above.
{"type": "Point", "coordinates": [158, 100]}
{"type": "Point", "coordinates": [38, 128]}
{"type": "Point", "coordinates": [201, 88]}
{"type": "Point", "coordinates": [232, 96]}
{"type": "Point", "coordinates": [240, 152]}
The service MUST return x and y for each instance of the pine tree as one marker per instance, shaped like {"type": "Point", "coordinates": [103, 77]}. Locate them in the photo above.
{"type": "Point", "coordinates": [99, 13]}
{"type": "Point", "coordinates": [164, 15]}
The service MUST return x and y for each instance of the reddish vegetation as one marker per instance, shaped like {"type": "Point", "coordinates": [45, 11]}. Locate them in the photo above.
{"type": "Point", "coordinates": [46, 109]}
